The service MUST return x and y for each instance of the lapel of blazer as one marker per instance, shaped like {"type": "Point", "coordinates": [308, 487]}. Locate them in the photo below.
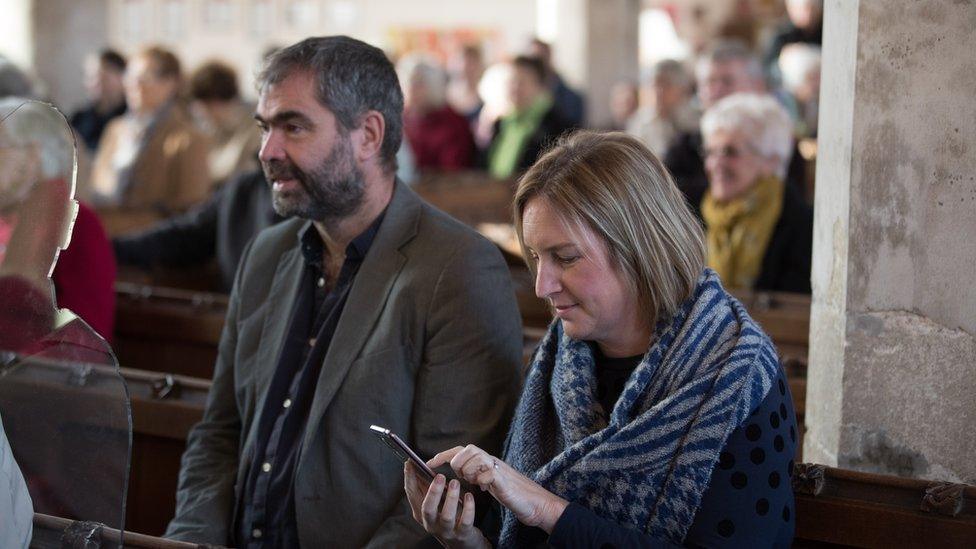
{"type": "Point", "coordinates": [366, 300]}
{"type": "Point", "coordinates": [281, 297]}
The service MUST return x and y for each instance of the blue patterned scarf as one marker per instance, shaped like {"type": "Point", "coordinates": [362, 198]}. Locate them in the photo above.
{"type": "Point", "coordinates": [648, 464]}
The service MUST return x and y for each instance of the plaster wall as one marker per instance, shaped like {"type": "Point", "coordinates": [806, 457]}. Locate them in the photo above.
{"type": "Point", "coordinates": [905, 383]}
{"type": "Point", "coordinates": [830, 236]}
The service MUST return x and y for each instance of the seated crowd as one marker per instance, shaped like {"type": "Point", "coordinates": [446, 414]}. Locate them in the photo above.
{"type": "Point", "coordinates": [354, 302]}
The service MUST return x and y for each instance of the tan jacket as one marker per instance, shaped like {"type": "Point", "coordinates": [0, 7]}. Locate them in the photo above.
{"type": "Point", "coordinates": [170, 174]}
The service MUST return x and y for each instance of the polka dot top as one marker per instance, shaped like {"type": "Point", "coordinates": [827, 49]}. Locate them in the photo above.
{"type": "Point", "coordinates": [748, 502]}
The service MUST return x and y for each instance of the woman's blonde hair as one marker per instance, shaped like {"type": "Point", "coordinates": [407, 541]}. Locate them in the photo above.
{"type": "Point", "coordinates": [613, 185]}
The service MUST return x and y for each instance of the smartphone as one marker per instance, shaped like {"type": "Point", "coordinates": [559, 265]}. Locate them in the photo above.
{"type": "Point", "coordinates": [402, 451]}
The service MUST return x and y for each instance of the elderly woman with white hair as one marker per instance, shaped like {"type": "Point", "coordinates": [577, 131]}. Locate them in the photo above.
{"type": "Point", "coordinates": [439, 137]}
{"type": "Point", "coordinates": [37, 215]}
{"type": "Point", "coordinates": [759, 232]}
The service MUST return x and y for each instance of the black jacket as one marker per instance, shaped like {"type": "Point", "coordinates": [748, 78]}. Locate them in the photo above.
{"type": "Point", "coordinates": [787, 261]}
{"type": "Point", "coordinates": [221, 227]}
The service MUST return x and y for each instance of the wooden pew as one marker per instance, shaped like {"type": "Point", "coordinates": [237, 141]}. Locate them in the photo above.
{"type": "Point", "coordinates": [167, 329]}
{"type": "Point", "coordinates": [164, 409]}
{"type": "Point", "coordinates": [55, 533]}
{"type": "Point", "coordinates": [837, 507]}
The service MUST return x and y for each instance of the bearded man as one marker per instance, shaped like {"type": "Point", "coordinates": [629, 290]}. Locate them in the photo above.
{"type": "Point", "coordinates": [370, 307]}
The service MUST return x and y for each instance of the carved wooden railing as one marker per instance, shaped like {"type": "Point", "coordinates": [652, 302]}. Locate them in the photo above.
{"type": "Point", "coordinates": [850, 508]}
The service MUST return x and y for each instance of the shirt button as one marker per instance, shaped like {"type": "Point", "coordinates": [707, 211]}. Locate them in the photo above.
{"type": "Point", "coordinates": [287, 403]}
{"type": "Point", "coordinates": [321, 282]}
{"type": "Point", "coordinates": [266, 467]}
{"type": "Point", "coordinates": [311, 342]}
{"type": "Point", "coordinates": [256, 533]}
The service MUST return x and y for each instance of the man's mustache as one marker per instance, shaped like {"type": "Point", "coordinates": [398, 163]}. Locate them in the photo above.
{"type": "Point", "coordinates": [276, 170]}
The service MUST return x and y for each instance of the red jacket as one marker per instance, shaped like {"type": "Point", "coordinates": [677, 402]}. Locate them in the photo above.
{"type": "Point", "coordinates": [440, 140]}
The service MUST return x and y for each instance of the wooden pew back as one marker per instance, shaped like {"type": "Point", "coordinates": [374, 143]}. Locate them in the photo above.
{"type": "Point", "coordinates": [853, 509]}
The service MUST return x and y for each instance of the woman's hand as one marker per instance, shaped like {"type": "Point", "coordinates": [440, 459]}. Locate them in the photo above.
{"type": "Point", "coordinates": [451, 523]}
{"type": "Point", "coordinates": [532, 504]}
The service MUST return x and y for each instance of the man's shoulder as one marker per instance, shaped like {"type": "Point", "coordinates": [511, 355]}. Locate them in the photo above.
{"type": "Point", "coordinates": [445, 235]}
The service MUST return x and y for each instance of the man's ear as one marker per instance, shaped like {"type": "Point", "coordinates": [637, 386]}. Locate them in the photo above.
{"type": "Point", "coordinates": [373, 128]}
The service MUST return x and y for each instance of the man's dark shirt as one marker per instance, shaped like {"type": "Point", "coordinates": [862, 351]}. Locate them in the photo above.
{"type": "Point", "coordinates": [267, 506]}
{"type": "Point", "coordinates": [219, 228]}
{"type": "Point", "coordinates": [89, 123]}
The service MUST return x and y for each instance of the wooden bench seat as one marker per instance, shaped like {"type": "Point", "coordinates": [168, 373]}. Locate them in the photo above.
{"type": "Point", "coordinates": [837, 507]}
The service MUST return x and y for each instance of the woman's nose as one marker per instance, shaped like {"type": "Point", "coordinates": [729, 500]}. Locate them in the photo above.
{"type": "Point", "coordinates": [546, 281]}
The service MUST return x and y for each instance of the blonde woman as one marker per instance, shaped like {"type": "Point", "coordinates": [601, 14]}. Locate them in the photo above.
{"type": "Point", "coordinates": [655, 412]}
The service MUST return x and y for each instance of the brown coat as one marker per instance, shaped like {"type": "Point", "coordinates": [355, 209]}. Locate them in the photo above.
{"type": "Point", "coordinates": [170, 174]}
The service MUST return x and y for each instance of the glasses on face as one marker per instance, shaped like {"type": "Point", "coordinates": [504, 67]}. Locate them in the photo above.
{"type": "Point", "coordinates": [730, 152]}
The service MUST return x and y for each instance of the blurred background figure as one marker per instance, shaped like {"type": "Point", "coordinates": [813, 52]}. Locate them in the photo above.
{"type": "Point", "coordinates": [36, 213]}
{"type": "Point", "coordinates": [666, 110]}
{"type": "Point", "coordinates": [799, 67]}
{"type": "Point", "coordinates": [439, 137]}
{"type": "Point", "coordinates": [521, 136]}
{"type": "Point", "coordinates": [759, 231]}
{"type": "Point", "coordinates": [803, 26]}
{"type": "Point", "coordinates": [728, 68]}
{"type": "Point", "coordinates": [228, 121]}
{"type": "Point", "coordinates": [14, 82]}
{"type": "Point", "coordinates": [153, 157]}
{"type": "Point", "coordinates": [106, 96]}
{"type": "Point", "coordinates": [495, 102]}
{"type": "Point", "coordinates": [623, 104]}
{"type": "Point", "coordinates": [569, 103]}
{"type": "Point", "coordinates": [465, 69]}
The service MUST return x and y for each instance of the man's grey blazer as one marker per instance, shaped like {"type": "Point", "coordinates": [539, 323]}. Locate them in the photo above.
{"type": "Point", "coordinates": [428, 345]}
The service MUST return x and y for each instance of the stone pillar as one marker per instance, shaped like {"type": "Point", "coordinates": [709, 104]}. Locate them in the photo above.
{"type": "Point", "coordinates": [65, 31]}
{"type": "Point", "coordinates": [596, 44]}
{"type": "Point", "coordinates": [892, 377]}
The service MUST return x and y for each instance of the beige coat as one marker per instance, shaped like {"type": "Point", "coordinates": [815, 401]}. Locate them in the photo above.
{"type": "Point", "coordinates": [170, 174]}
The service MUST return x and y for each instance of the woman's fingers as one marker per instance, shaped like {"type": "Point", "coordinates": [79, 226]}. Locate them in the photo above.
{"type": "Point", "coordinates": [467, 510]}
{"type": "Point", "coordinates": [448, 515]}
{"type": "Point", "coordinates": [444, 457]}
{"type": "Point", "coordinates": [431, 502]}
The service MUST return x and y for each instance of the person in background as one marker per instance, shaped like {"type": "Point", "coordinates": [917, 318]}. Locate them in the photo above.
{"type": "Point", "coordinates": [728, 68]}
{"type": "Point", "coordinates": [759, 231]}
{"type": "Point", "coordinates": [466, 68]}
{"type": "Point", "coordinates": [493, 89]}
{"type": "Point", "coordinates": [106, 96]}
{"type": "Point", "coordinates": [623, 104]}
{"type": "Point", "coordinates": [655, 412]}
{"type": "Point", "coordinates": [569, 103]}
{"type": "Point", "coordinates": [803, 26]}
{"type": "Point", "coordinates": [667, 111]}
{"type": "Point", "coordinates": [84, 275]}
{"type": "Point", "coordinates": [439, 137]}
{"type": "Point", "coordinates": [13, 81]}
{"type": "Point", "coordinates": [226, 119]}
{"type": "Point", "coordinates": [519, 137]}
{"type": "Point", "coordinates": [153, 158]}
{"type": "Point", "coordinates": [799, 67]}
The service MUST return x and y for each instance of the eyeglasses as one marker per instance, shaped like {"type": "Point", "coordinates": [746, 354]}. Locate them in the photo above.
{"type": "Point", "coordinates": [731, 152]}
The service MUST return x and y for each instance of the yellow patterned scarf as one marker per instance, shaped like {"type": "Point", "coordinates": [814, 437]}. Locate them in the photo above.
{"type": "Point", "coordinates": [738, 231]}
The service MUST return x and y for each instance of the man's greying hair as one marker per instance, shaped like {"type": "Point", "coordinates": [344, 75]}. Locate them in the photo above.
{"type": "Point", "coordinates": [351, 77]}
{"type": "Point", "coordinates": [725, 51]}
{"type": "Point", "coordinates": [613, 185]}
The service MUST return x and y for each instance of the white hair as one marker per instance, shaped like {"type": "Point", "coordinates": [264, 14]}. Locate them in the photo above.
{"type": "Point", "coordinates": [796, 61]}
{"type": "Point", "coordinates": [759, 119]}
{"type": "Point", "coordinates": [425, 70]}
{"type": "Point", "coordinates": [29, 122]}
{"type": "Point", "coordinates": [726, 51]}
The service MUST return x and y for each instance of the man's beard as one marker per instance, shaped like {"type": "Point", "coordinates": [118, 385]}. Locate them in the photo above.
{"type": "Point", "coordinates": [331, 191]}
